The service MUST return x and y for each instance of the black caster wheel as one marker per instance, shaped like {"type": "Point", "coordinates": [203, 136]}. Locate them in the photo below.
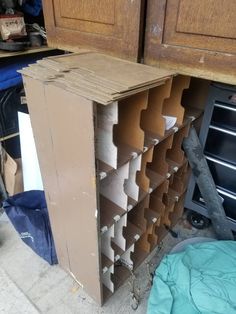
{"type": "Point", "coordinates": [198, 221]}
{"type": "Point", "coordinates": [134, 303]}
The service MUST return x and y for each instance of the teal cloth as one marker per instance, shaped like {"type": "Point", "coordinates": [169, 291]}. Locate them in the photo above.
{"type": "Point", "coordinates": [202, 279]}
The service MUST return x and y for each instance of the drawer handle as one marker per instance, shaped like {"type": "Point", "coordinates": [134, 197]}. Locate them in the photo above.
{"type": "Point", "coordinates": [221, 163]}
{"type": "Point", "coordinates": [222, 130]}
{"type": "Point", "coordinates": [226, 194]}
{"type": "Point", "coordinates": [224, 107]}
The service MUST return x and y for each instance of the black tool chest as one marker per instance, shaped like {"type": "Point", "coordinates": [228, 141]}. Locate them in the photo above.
{"type": "Point", "coordinates": [218, 138]}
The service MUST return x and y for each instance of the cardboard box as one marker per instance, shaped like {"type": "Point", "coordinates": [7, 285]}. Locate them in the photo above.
{"type": "Point", "coordinates": [12, 174]}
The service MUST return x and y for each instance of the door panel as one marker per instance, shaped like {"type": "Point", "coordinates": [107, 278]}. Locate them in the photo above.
{"type": "Point", "coordinates": [112, 26]}
{"type": "Point", "coordinates": [196, 38]}
{"type": "Point", "coordinates": [201, 24]}
{"type": "Point", "coordinates": [207, 17]}
{"type": "Point", "coordinates": [103, 12]}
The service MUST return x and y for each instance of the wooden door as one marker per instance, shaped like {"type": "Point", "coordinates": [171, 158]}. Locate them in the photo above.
{"type": "Point", "coordinates": [112, 26]}
{"type": "Point", "coordinates": [195, 37]}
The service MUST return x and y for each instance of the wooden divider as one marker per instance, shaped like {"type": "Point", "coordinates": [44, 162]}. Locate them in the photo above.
{"type": "Point", "coordinates": [106, 279]}
{"type": "Point", "coordinates": [152, 120]}
{"type": "Point", "coordinates": [137, 215]}
{"type": "Point", "coordinates": [142, 179]}
{"type": "Point", "coordinates": [177, 212]}
{"type": "Point", "coordinates": [117, 139]}
{"type": "Point", "coordinates": [112, 187]}
{"type": "Point", "coordinates": [106, 248]}
{"type": "Point", "coordinates": [172, 105]}
{"type": "Point", "coordinates": [157, 169]}
{"type": "Point", "coordinates": [175, 155]}
{"type": "Point", "coordinates": [144, 242]}
{"type": "Point", "coordinates": [131, 187]}
{"type": "Point", "coordinates": [127, 134]}
{"type": "Point", "coordinates": [107, 117]}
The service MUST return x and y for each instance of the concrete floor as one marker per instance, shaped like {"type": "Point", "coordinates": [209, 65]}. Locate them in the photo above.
{"type": "Point", "coordinates": [29, 285]}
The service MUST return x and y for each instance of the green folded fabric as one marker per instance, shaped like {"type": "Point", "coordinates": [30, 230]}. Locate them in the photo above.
{"type": "Point", "coordinates": [202, 279]}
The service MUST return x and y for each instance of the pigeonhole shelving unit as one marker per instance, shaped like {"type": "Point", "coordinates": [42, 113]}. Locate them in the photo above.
{"type": "Point", "coordinates": [114, 177]}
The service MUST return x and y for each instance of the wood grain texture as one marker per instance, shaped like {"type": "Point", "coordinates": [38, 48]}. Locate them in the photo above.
{"type": "Point", "coordinates": [207, 17]}
{"type": "Point", "coordinates": [180, 37]}
{"type": "Point", "coordinates": [109, 26]}
{"type": "Point", "coordinates": [203, 24]}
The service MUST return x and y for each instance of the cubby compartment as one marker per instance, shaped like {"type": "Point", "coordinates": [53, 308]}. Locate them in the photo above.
{"type": "Point", "coordinates": [144, 242]}
{"type": "Point", "coordinates": [142, 179]}
{"type": "Point", "coordinates": [137, 215]}
{"type": "Point", "coordinates": [152, 120]}
{"type": "Point", "coordinates": [157, 169]}
{"type": "Point", "coordinates": [131, 186]}
{"type": "Point", "coordinates": [175, 156]}
{"type": "Point", "coordinates": [177, 185]}
{"type": "Point", "coordinates": [109, 213]}
{"type": "Point", "coordinates": [117, 140]}
{"type": "Point", "coordinates": [112, 186]}
{"type": "Point", "coordinates": [172, 106]}
{"type": "Point", "coordinates": [177, 212]}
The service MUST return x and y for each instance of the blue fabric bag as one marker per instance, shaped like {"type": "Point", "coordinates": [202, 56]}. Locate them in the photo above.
{"type": "Point", "coordinates": [28, 213]}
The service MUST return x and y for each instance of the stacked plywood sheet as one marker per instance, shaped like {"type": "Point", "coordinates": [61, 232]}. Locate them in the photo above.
{"type": "Point", "coordinates": [114, 173]}
{"type": "Point", "coordinates": [97, 76]}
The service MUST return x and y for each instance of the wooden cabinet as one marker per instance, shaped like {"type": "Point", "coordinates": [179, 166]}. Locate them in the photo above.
{"type": "Point", "coordinates": [112, 26]}
{"type": "Point", "coordinates": [195, 37]}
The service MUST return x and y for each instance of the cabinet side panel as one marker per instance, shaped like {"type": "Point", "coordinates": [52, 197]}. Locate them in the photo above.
{"type": "Point", "coordinates": [39, 119]}
{"type": "Point", "coordinates": [71, 147]}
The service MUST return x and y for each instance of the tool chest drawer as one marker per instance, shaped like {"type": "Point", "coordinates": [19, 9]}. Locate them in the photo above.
{"type": "Point", "coordinates": [218, 139]}
{"type": "Point", "coordinates": [224, 175]}
{"type": "Point", "coordinates": [221, 143]}
{"type": "Point", "coordinates": [224, 116]}
{"type": "Point", "coordinates": [229, 202]}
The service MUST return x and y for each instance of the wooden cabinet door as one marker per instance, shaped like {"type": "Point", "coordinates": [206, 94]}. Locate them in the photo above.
{"type": "Point", "coordinates": [112, 26]}
{"type": "Point", "coordinates": [195, 37]}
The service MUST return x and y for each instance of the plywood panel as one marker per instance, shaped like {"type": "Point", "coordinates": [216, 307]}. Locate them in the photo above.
{"type": "Point", "coordinates": [74, 167]}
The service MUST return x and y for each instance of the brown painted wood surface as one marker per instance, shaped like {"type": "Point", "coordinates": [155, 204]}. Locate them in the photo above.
{"type": "Point", "coordinates": [196, 38]}
{"type": "Point", "coordinates": [70, 188]}
{"type": "Point", "coordinates": [112, 26]}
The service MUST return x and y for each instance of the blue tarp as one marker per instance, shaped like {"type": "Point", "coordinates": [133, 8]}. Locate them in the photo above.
{"type": "Point", "coordinates": [200, 280]}
{"type": "Point", "coordinates": [29, 215]}
{"type": "Point", "coordinates": [9, 76]}
{"type": "Point", "coordinates": [34, 8]}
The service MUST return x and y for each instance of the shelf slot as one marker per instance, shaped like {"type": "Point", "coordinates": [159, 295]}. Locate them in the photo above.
{"type": "Point", "coordinates": [118, 238]}
{"type": "Point", "coordinates": [158, 165]}
{"type": "Point", "coordinates": [110, 213]}
{"type": "Point", "coordinates": [177, 212]}
{"type": "Point", "coordinates": [172, 105]}
{"type": "Point", "coordinates": [106, 248]}
{"type": "Point", "coordinates": [107, 117]}
{"type": "Point", "coordinates": [106, 279]}
{"type": "Point", "coordinates": [152, 120]}
{"type": "Point", "coordinates": [142, 179]}
{"type": "Point", "coordinates": [137, 215]}
{"type": "Point", "coordinates": [175, 155]}
{"type": "Point", "coordinates": [112, 187]}
{"type": "Point", "coordinates": [128, 136]}
{"type": "Point", "coordinates": [131, 187]}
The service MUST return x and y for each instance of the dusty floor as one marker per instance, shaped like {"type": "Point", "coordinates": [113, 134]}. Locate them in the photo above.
{"type": "Point", "coordinates": [29, 285]}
